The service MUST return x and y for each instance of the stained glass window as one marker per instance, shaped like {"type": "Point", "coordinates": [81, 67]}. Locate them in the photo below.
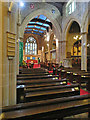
{"type": "Point", "coordinates": [30, 46]}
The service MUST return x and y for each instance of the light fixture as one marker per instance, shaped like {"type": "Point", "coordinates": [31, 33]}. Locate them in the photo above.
{"type": "Point", "coordinates": [77, 37]}
{"type": "Point", "coordinates": [21, 4]}
{"type": "Point", "coordinates": [80, 37]}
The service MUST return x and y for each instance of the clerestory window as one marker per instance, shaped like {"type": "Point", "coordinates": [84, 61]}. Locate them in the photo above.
{"type": "Point", "coordinates": [70, 7]}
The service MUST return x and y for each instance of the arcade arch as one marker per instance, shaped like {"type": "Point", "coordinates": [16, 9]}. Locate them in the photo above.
{"type": "Point", "coordinates": [56, 26]}
{"type": "Point", "coordinates": [73, 44]}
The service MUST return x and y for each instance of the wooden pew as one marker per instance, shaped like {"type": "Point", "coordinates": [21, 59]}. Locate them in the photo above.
{"type": "Point", "coordinates": [83, 79]}
{"type": "Point", "coordinates": [32, 74]}
{"type": "Point", "coordinates": [42, 82]}
{"type": "Point", "coordinates": [47, 88]}
{"type": "Point", "coordinates": [62, 73]}
{"type": "Point", "coordinates": [48, 109]}
{"type": "Point", "coordinates": [29, 84]}
{"type": "Point", "coordinates": [86, 80]}
{"type": "Point", "coordinates": [37, 77]}
{"type": "Point", "coordinates": [51, 92]}
{"type": "Point", "coordinates": [38, 70]}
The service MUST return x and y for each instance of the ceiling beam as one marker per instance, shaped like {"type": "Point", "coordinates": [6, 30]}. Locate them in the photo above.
{"type": "Point", "coordinates": [29, 24]}
{"type": "Point", "coordinates": [34, 32]}
{"type": "Point", "coordinates": [36, 29]}
{"type": "Point", "coordinates": [42, 21]}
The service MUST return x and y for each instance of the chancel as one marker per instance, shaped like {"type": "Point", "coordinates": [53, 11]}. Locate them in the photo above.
{"type": "Point", "coordinates": [44, 60]}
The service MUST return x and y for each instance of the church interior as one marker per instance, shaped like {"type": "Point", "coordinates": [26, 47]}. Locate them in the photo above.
{"type": "Point", "coordinates": [44, 60]}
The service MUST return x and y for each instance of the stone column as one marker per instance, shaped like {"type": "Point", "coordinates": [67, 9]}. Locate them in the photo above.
{"type": "Point", "coordinates": [58, 51]}
{"type": "Point", "coordinates": [1, 54]}
{"type": "Point", "coordinates": [13, 63]}
{"type": "Point", "coordinates": [61, 51]}
{"type": "Point", "coordinates": [84, 51]}
{"type": "Point", "coordinates": [42, 54]}
{"type": "Point", "coordinates": [17, 57]}
{"type": "Point", "coordinates": [49, 52]}
{"type": "Point", "coordinates": [5, 62]}
{"type": "Point", "coordinates": [9, 23]}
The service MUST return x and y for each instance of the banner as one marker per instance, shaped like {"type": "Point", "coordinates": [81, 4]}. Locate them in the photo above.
{"type": "Point", "coordinates": [20, 53]}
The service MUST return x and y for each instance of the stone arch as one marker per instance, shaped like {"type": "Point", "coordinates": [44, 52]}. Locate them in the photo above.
{"type": "Point", "coordinates": [68, 24]}
{"type": "Point", "coordinates": [48, 15]}
{"type": "Point", "coordinates": [85, 22]}
{"type": "Point", "coordinates": [65, 33]}
{"type": "Point", "coordinates": [54, 20]}
{"type": "Point", "coordinates": [67, 27]}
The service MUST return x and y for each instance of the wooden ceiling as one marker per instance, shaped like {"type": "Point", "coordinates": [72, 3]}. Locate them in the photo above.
{"type": "Point", "coordinates": [38, 25]}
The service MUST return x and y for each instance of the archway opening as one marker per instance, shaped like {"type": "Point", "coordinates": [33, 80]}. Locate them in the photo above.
{"type": "Point", "coordinates": [39, 41]}
{"type": "Point", "coordinates": [73, 45]}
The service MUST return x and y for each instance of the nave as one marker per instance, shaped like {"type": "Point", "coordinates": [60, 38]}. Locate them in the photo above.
{"type": "Point", "coordinates": [43, 95]}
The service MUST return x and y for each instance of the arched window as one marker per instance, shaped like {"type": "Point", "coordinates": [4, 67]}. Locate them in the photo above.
{"type": "Point", "coordinates": [30, 46]}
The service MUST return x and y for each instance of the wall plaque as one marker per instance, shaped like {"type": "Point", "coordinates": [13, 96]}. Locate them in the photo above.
{"type": "Point", "coordinates": [11, 37]}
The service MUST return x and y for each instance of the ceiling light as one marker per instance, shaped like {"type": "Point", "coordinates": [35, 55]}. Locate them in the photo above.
{"type": "Point", "coordinates": [21, 4]}
{"type": "Point", "coordinates": [75, 38]}
{"type": "Point", "coordinates": [80, 37]}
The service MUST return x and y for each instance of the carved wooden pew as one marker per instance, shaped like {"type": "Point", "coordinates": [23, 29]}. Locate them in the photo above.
{"type": "Point", "coordinates": [47, 109]}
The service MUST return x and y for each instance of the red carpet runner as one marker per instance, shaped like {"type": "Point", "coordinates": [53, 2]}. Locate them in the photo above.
{"type": "Point", "coordinates": [36, 66]}
{"type": "Point", "coordinates": [82, 92]}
